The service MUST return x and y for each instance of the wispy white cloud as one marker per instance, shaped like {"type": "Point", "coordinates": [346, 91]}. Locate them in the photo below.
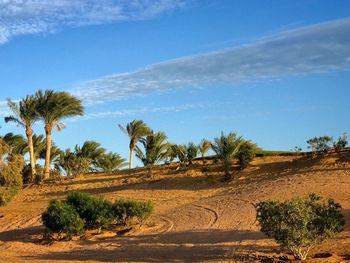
{"type": "Point", "coordinates": [138, 111]}
{"type": "Point", "coordinates": [316, 48]}
{"type": "Point", "coordinates": [22, 17]}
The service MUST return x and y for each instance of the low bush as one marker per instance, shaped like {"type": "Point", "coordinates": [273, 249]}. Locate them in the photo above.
{"type": "Point", "coordinates": [60, 217]}
{"type": "Point", "coordinates": [96, 212]}
{"type": "Point", "coordinates": [81, 211]}
{"type": "Point", "coordinates": [301, 223]}
{"type": "Point", "coordinates": [126, 210]}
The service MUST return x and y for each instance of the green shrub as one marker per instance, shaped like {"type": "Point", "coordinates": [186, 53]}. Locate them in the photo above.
{"type": "Point", "coordinates": [301, 223]}
{"type": "Point", "coordinates": [60, 217]}
{"type": "Point", "coordinates": [245, 154]}
{"type": "Point", "coordinates": [96, 212]}
{"type": "Point", "coordinates": [126, 210]}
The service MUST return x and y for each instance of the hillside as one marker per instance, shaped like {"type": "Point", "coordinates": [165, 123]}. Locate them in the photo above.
{"type": "Point", "coordinates": [198, 217]}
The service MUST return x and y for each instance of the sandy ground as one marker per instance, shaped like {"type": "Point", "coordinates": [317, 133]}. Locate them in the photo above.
{"type": "Point", "coordinates": [198, 217]}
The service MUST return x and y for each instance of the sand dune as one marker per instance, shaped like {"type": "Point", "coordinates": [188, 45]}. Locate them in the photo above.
{"type": "Point", "coordinates": [198, 218]}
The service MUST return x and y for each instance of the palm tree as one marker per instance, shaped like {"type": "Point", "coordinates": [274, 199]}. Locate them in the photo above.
{"type": "Point", "coordinates": [17, 143]}
{"type": "Point", "coordinates": [155, 146]}
{"type": "Point", "coordinates": [180, 152]}
{"type": "Point", "coordinates": [91, 150]}
{"type": "Point", "coordinates": [110, 162]}
{"type": "Point", "coordinates": [135, 130]}
{"type": "Point", "coordinates": [191, 151]}
{"type": "Point", "coordinates": [52, 108]}
{"type": "Point", "coordinates": [25, 115]}
{"type": "Point", "coordinates": [226, 148]}
{"type": "Point", "coordinates": [204, 147]}
{"type": "Point", "coordinates": [39, 143]}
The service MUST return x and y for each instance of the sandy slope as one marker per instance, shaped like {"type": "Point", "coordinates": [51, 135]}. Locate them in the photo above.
{"type": "Point", "coordinates": [198, 218]}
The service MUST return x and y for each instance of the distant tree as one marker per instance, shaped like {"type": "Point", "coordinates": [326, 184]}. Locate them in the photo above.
{"type": "Point", "coordinates": [246, 153]}
{"type": "Point", "coordinates": [180, 152]}
{"type": "Point", "coordinates": [135, 130]}
{"type": "Point", "coordinates": [24, 114]}
{"type": "Point", "coordinates": [91, 150]}
{"type": "Point", "coordinates": [71, 164]}
{"type": "Point", "coordinates": [52, 107]}
{"type": "Point", "coordinates": [203, 147]}
{"type": "Point", "coordinates": [155, 149]}
{"type": "Point", "coordinates": [297, 149]}
{"type": "Point", "coordinates": [320, 144]}
{"type": "Point", "coordinates": [110, 162]}
{"type": "Point", "coordinates": [341, 143]}
{"type": "Point", "coordinates": [226, 148]}
{"type": "Point", "coordinates": [170, 155]}
{"type": "Point", "coordinates": [191, 151]}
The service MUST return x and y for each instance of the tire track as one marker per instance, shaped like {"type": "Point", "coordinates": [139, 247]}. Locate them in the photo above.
{"type": "Point", "coordinates": [214, 215]}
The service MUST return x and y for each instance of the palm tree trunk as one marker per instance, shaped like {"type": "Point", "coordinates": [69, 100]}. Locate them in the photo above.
{"type": "Point", "coordinates": [29, 134]}
{"type": "Point", "coordinates": [48, 130]}
{"type": "Point", "coordinates": [130, 158]}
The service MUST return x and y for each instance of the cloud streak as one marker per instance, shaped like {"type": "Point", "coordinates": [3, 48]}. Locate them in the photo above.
{"type": "Point", "coordinates": [312, 49]}
{"type": "Point", "coordinates": [23, 17]}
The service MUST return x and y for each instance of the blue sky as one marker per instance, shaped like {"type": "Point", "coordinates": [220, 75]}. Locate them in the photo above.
{"type": "Point", "coordinates": [276, 72]}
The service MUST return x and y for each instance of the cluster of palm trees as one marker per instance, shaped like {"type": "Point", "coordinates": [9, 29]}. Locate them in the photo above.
{"type": "Point", "coordinates": [151, 148]}
{"type": "Point", "coordinates": [90, 157]}
{"type": "Point", "coordinates": [155, 147]}
{"type": "Point", "coordinates": [49, 107]}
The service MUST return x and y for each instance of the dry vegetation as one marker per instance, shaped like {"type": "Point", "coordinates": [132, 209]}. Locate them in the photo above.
{"type": "Point", "coordinates": [197, 218]}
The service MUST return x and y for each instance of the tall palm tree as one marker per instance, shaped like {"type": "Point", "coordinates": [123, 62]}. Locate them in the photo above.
{"type": "Point", "coordinates": [25, 115]}
{"type": "Point", "coordinates": [155, 149]}
{"type": "Point", "coordinates": [226, 148]}
{"type": "Point", "coordinates": [53, 107]}
{"type": "Point", "coordinates": [135, 130]}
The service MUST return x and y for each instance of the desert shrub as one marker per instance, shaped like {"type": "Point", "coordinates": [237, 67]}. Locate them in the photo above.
{"type": "Point", "coordinates": [320, 144]}
{"type": "Point", "coordinates": [60, 217]}
{"type": "Point", "coordinates": [301, 223]}
{"type": "Point", "coordinates": [11, 166]}
{"type": "Point", "coordinates": [341, 143]}
{"type": "Point", "coordinates": [126, 210]}
{"type": "Point", "coordinates": [245, 154]}
{"type": "Point", "coordinates": [96, 212]}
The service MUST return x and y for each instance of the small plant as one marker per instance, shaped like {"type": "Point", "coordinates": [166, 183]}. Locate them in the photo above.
{"type": "Point", "coordinates": [301, 223]}
{"type": "Point", "coordinates": [245, 154]}
{"type": "Point", "coordinates": [60, 217]}
{"type": "Point", "coordinates": [96, 212]}
{"type": "Point", "coordinates": [126, 210]}
{"type": "Point", "coordinates": [297, 149]}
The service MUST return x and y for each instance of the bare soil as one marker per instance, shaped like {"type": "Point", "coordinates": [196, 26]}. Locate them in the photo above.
{"type": "Point", "coordinates": [198, 217]}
